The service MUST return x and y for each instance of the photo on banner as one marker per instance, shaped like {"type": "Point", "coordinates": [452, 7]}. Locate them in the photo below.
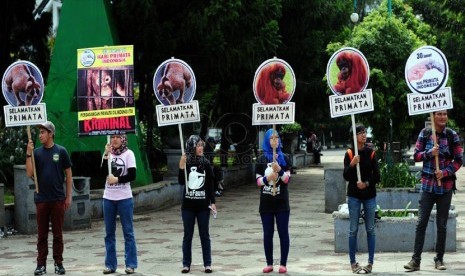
{"type": "Point", "coordinates": [23, 84]}
{"type": "Point", "coordinates": [174, 82]}
{"type": "Point", "coordinates": [426, 70]}
{"type": "Point", "coordinates": [23, 89]}
{"type": "Point", "coordinates": [105, 95]}
{"type": "Point", "coordinates": [347, 72]}
{"type": "Point", "coordinates": [274, 82]}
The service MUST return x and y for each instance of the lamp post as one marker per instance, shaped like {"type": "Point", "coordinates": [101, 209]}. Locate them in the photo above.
{"type": "Point", "coordinates": [354, 15]}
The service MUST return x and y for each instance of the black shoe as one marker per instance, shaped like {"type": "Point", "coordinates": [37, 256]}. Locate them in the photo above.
{"type": "Point", "coordinates": [208, 269]}
{"type": "Point", "coordinates": [59, 269]}
{"type": "Point", "coordinates": [218, 193]}
{"type": "Point", "coordinates": [40, 270]}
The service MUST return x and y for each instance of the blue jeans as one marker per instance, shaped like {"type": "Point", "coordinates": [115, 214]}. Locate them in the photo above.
{"type": "Point", "coordinates": [282, 224]}
{"type": "Point", "coordinates": [369, 206]}
{"type": "Point", "coordinates": [203, 220]}
{"type": "Point", "coordinates": [425, 206]}
{"type": "Point", "coordinates": [125, 210]}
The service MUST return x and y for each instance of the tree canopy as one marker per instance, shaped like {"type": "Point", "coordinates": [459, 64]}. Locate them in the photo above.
{"type": "Point", "coordinates": [224, 41]}
{"type": "Point", "coordinates": [387, 40]}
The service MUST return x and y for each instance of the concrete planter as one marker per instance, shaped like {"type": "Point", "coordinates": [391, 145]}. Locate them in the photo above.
{"type": "Point", "coordinates": [390, 229]}
{"type": "Point", "coordinates": [387, 198]}
{"type": "Point", "coordinates": [151, 197]}
{"type": "Point", "coordinates": [335, 188]}
{"type": "Point", "coordinates": [155, 196]}
{"type": "Point", "coordinates": [397, 198]}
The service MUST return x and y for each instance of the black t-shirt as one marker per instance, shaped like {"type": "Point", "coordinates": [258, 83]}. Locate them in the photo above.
{"type": "Point", "coordinates": [199, 194]}
{"type": "Point", "coordinates": [369, 171]}
{"type": "Point", "coordinates": [268, 202]}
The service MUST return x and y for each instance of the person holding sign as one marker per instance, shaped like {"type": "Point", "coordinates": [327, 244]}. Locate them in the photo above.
{"type": "Point", "coordinates": [199, 198]}
{"type": "Point", "coordinates": [273, 167]}
{"type": "Point", "coordinates": [117, 200]}
{"type": "Point", "coordinates": [53, 166]}
{"type": "Point", "coordinates": [361, 191]}
{"type": "Point", "coordinates": [437, 184]}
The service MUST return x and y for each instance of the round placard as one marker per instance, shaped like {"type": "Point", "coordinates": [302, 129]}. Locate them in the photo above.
{"type": "Point", "coordinates": [22, 84]}
{"type": "Point", "coordinates": [426, 70]}
{"type": "Point", "coordinates": [274, 82]}
{"type": "Point", "coordinates": [174, 82]}
{"type": "Point", "coordinates": [347, 72]}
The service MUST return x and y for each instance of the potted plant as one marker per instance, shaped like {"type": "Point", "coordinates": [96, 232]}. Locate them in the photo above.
{"type": "Point", "coordinates": [397, 186]}
{"type": "Point", "coordinates": [291, 128]}
{"type": "Point", "coordinates": [289, 134]}
{"type": "Point", "coordinates": [397, 176]}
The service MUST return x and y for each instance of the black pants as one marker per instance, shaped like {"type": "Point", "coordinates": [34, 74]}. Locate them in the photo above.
{"type": "Point", "coordinates": [427, 201]}
{"type": "Point", "coordinates": [316, 157]}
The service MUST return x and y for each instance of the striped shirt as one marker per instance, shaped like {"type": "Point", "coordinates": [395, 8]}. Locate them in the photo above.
{"type": "Point", "coordinates": [447, 164]}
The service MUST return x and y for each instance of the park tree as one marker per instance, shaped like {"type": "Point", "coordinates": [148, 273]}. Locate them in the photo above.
{"type": "Point", "coordinates": [307, 27]}
{"type": "Point", "coordinates": [23, 36]}
{"type": "Point", "coordinates": [387, 39]}
{"type": "Point", "coordinates": [447, 22]}
{"type": "Point", "coordinates": [223, 41]}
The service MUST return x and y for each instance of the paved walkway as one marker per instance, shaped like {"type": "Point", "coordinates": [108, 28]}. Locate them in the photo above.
{"type": "Point", "coordinates": [236, 239]}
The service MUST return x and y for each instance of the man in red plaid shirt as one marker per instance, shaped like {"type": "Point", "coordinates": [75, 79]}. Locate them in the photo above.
{"type": "Point", "coordinates": [437, 184]}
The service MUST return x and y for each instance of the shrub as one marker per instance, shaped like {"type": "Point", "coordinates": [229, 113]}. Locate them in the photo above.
{"type": "Point", "coordinates": [397, 176]}
{"type": "Point", "coordinates": [395, 213]}
{"type": "Point", "coordinates": [291, 128]}
{"type": "Point", "coordinates": [13, 142]}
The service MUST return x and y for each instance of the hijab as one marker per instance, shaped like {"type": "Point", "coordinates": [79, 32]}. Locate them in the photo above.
{"type": "Point", "coordinates": [123, 147]}
{"type": "Point", "coordinates": [192, 157]}
{"type": "Point", "coordinates": [268, 150]}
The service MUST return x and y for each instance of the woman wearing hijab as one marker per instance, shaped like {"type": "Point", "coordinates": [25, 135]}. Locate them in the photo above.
{"type": "Point", "coordinates": [274, 167]}
{"type": "Point", "coordinates": [198, 199]}
{"type": "Point", "coordinates": [117, 200]}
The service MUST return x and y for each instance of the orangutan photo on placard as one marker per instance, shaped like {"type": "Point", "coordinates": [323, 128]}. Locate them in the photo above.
{"type": "Point", "coordinates": [174, 82]}
{"type": "Point", "coordinates": [105, 88]}
{"type": "Point", "coordinates": [274, 82]}
{"type": "Point", "coordinates": [348, 72]}
{"type": "Point", "coordinates": [23, 84]}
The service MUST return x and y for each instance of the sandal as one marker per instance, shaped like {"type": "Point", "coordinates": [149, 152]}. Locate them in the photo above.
{"type": "Point", "coordinates": [368, 268]}
{"type": "Point", "coordinates": [356, 268]}
{"type": "Point", "coordinates": [108, 270]}
{"type": "Point", "coordinates": [129, 270]}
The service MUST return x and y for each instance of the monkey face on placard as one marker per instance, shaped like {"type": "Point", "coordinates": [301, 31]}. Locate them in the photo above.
{"type": "Point", "coordinates": [174, 82]}
{"type": "Point", "coordinates": [274, 82]}
{"type": "Point", "coordinates": [347, 72]}
{"type": "Point", "coordinates": [22, 84]}
{"type": "Point", "coordinates": [106, 88]}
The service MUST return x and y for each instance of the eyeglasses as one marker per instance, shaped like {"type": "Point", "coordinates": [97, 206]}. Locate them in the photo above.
{"type": "Point", "coordinates": [361, 132]}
